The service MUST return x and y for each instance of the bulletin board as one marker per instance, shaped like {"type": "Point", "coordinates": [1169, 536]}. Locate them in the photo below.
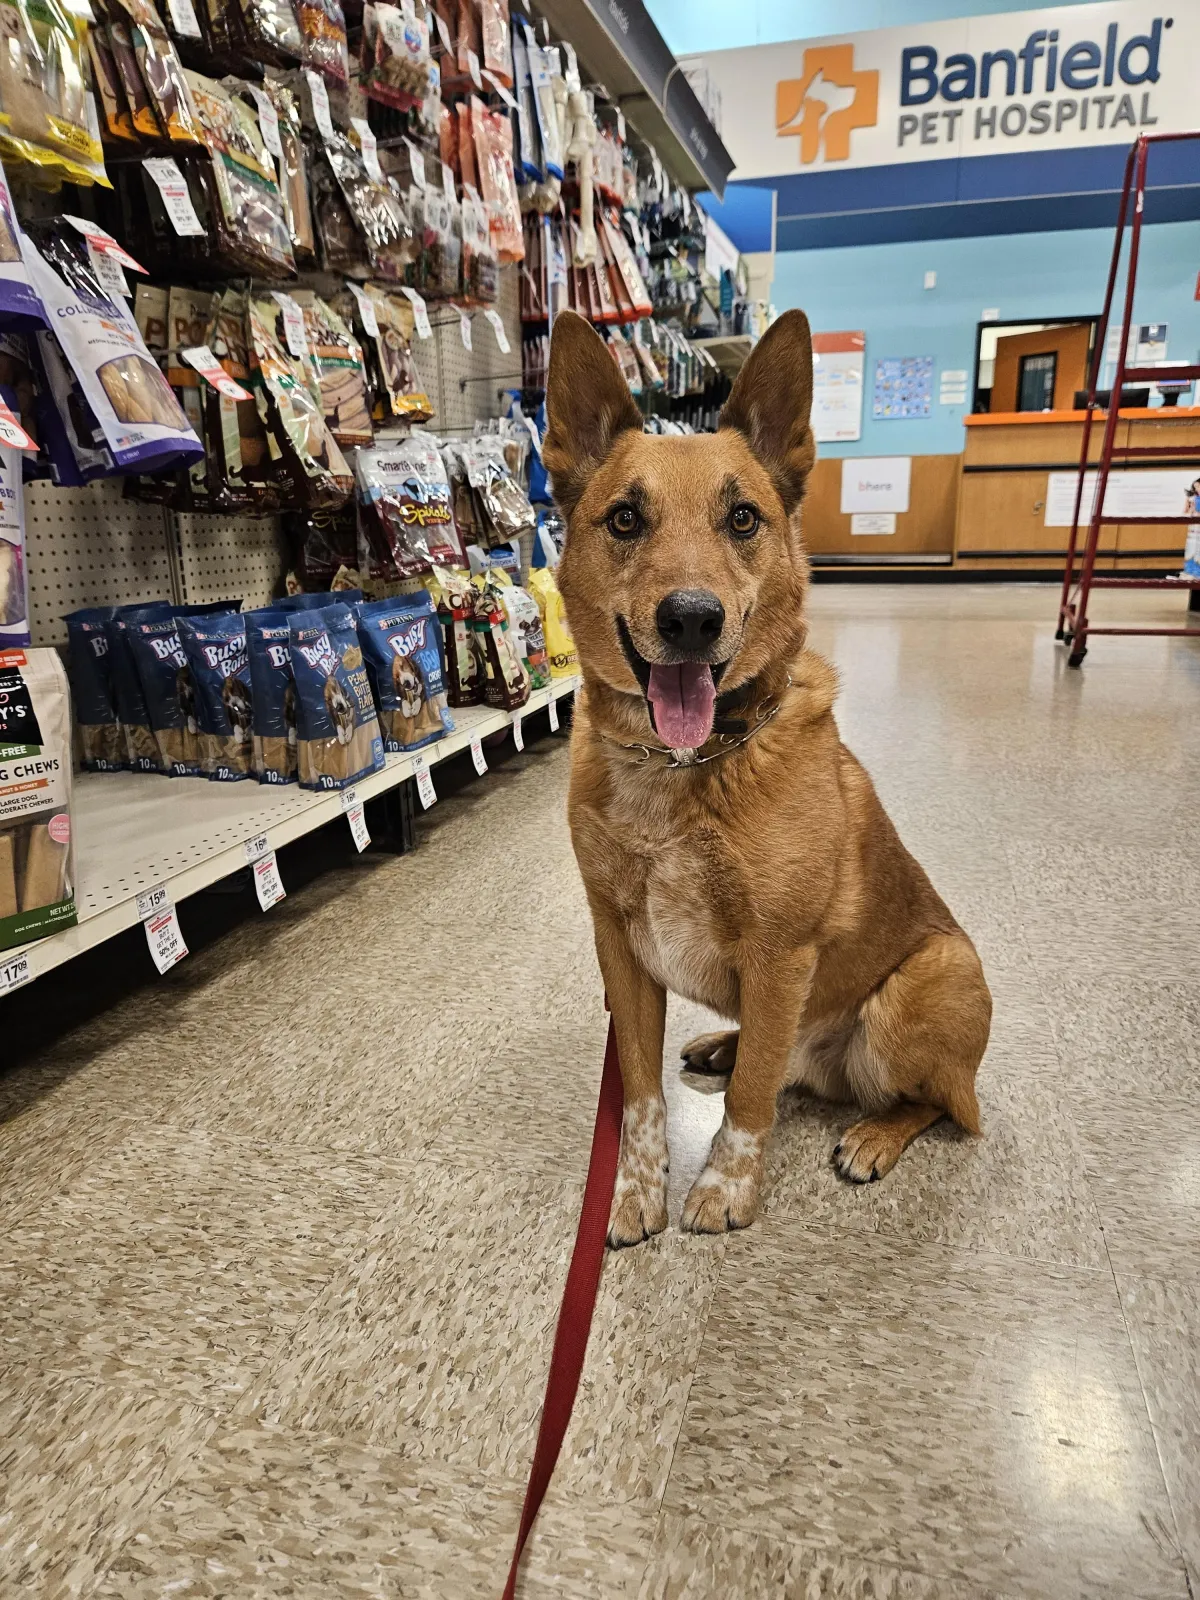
{"type": "Point", "coordinates": [903, 388]}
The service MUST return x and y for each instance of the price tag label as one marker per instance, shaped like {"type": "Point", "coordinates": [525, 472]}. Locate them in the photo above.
{"type": "Point", "coordinates": [554, 716]}
{"type": "Point", "coordinates": [534, 436]}
{"type": "Point", "coordinates": [366, 311]}
{"type": "Point", "coordinates": [255, 848]}
{"type": "Point", "coordinates": [464, 327]}
{"type": "Point", "coordinates": [444, 33]}
{"type": "Point", "coordinates": [293, 323]}
{"type": "Point", "coordinates": [320, 103]}
{"type": "Point", "coordinates": [12, 433]}
{"type": "Point", "coordinates": [165, 939]}
{"type": "Point", "coordinates": [473, 68]}
{"type": "Point", "coordinates": [13, 973]}
{"type": "Point", "coordinates": [99, 240]}
{"type": "Point", "coordinates": [110, 274]}
{"type": "Point", "coordinates": [500, 89]}
{"type": "Point", "coordinates": [420, 315]}
{"type": "Point", "coordinates": [370, 149]}
{"type": "Point", "coordinates": [172, 186]}
{"type": "Point", "coordinates": [424, 779]}
{"type": "Point", "coordinates": [518, 731]}
{"type": "Point", "coordinates": [267, 885]}
{"type": "Point", "coordinates": [494, 318]}
{"type": "Point", "coordinates": [184, 19]}
{"type": "Point", "coordinates": [477, 755]}
{"type": "Point", "coordinates": [268, 122]}
{"type": "Point", "coordinates": [416, 161]}
{"type": "Point", "coordinates": [358, 828]}
{"type": "Point", "coordinates": [152, 900]}
{"type": "Point", "coordinates": [449, 186]}
{"type": "Point", "coordinates": [206, 364]}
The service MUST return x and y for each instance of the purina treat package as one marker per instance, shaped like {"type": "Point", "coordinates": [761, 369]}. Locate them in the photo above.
{"type": "Point", "coordinates": [272, 695]}
{"type": "Point", "coordinates": [37, 893]}
{"type": "Point", "coordinates": [220, 669]}
{"type": "Point", "coordinates": [101, 742]}
{"type": "Point", "coordinates": [402, 646]}
{"type": "Point", "coordinates": [338, 737]}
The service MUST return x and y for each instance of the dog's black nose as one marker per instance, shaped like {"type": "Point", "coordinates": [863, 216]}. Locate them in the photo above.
{"type": "Point", "coordinates": [690, 619]}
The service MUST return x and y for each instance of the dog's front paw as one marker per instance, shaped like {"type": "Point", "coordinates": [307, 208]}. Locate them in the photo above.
{"type": "Point", "coordinates": [639, 1207]}
{"type": "Point", "coordinates": [725, 1195]}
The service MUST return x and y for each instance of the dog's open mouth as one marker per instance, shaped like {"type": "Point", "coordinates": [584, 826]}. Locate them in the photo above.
{"type": "Point", "coordinates": [681, 695]}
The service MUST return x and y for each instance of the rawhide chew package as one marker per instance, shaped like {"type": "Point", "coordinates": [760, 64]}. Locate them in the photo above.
{"type": "Point", "coordinates": [526, 629]}
{"type": "Point", "coordinates": [251, 223]}
{"type": "Point", "coordinates": [272, 695]}
{"type": "Point", "coordinates": [220, 669]}
{"type": "Point", "coordinates": [36, 868]}
{"type": "Point", "coordinates": [405, 521]}
{"type": "Point", "coordinates": [102, 744]}
{"type": "Point", "coordinates": [337, 729]}
{"type": "Point", "coordinates": [402, 645]}
{"type": "Point", "coordinates": [337, 362]}
{"type": "Point", "coordinates": [309, 457]}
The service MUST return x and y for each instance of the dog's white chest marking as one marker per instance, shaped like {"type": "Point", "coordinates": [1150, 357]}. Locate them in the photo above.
{"type": "Point", "coordinates": [676, 941]}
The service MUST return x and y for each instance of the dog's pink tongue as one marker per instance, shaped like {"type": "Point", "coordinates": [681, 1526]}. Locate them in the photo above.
{"type": "Point", "coordinates": [683, 698]}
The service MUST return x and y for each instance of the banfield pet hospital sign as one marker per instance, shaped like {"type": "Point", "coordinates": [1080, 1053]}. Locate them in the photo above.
{"type": "Point", "coordinates": [1024, 80]}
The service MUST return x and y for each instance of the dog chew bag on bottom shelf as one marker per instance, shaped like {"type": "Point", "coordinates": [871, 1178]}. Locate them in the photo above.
{"type": "Point", "coordinates": [169, 692]}
{"type": "Point", "coordinates": [216, 653]}
{"type": "Point", "coordinates": [272, 695]}
{"type": "Point", "coordinates": [402, 644]}
{"type": "Point", "coordinates": [36, 877]}
{"type": "Point", "coordinates": [89, 664]}
{"type": "Point", "coordinates": [133, 717]}
{"type": "Point", "coordinates": [338, 738]}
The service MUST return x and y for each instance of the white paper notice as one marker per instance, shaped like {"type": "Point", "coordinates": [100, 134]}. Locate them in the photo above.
{"type": "Point", "coordinates": [13, 973]}
{"type": "Point", "coordinates": [449, 187]}
{"type": "Point", "coordinates": [473, 67]}
{"type": "Point", "coordinates": [366, 310]}
{"type": "Point", "coordinates": [424, 779]}
{"type": "Point", "coordinates": [837, 399]}
{"type": "Point", "coordinates": [184, 19]}
{"type": "Point", "coordinates": [352, 806]}
{"type": "Point", "coordinates": [477, 755]}
{"type": "Point", "coordinates": [873, 522]}
{"type": "Point", "coordinates": [518, 733]}
{"type": "Point", "coordinates": [420, 315]}
{"type": "Point", "coordinates": [293, 323]}
{"type": "Point", "coordinates": [268, 122]}
{"type": "Point", "coordinates": [875, 483]}
{"type": "Point", "coordinates": [444, 33]}
{"type": "Point", "coordinates": [109, 273]}
{"type": "Point", "coordinates": [165, 939]}
{"type": "Point", "coordinates": [320, 103]}
{"type": "Point", "coordinates": [209, 368]}
{"type": "Point", "coordinates": [172, 186]}
{"type": "Point", "coordinates": [464, 327]}
{"type": "Point", "coordinates": [100, 240]}
{"type": "Point", "coordinates": [267, 885]}
{"type": "Point", "coordinates": [554, 716]}
{"type": "Point", "coordinates": [501, 337]}
{"type": "Point", "coordinates": [416, 161]}
{"type": "Point", "coordinates": [370, 150]}
{"type": "Point", "coordinates": [1162, 493]}
{"type": "Point", "coordinates": [499, 89]}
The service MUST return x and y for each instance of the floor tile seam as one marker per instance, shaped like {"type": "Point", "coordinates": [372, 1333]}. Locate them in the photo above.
{"type": "Point", "coordinates": [1154, 1434]}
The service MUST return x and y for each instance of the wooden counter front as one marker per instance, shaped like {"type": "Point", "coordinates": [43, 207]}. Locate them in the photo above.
{"type": "Point", "coordinates": [924, 531]}
{"type": "Point", "coordinates": [1007, 460]}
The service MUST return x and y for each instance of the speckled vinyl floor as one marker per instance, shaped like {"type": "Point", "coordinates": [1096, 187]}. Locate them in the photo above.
{"type": "Point", "coordinates": [282, 1236]}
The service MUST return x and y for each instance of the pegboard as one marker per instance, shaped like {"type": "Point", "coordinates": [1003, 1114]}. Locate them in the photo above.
{"type": "Point", "coordinates": [229, 557]}
{"type": "Point", "coordinates": [485, 367]}
{"type": "Point", "coordinates": [91, 547]}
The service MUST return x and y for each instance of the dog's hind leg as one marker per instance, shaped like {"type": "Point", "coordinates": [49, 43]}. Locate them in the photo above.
{"type": "Point", "coordinates": [914, 1053]}
{"type": "Point", "coordinates": [711, 1052]}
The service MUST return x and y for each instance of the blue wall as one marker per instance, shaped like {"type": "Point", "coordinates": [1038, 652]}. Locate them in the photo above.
{"type": "Point", "coordinates": [691, 26]}
{"type": "Point", "coordinates": [878, 288]}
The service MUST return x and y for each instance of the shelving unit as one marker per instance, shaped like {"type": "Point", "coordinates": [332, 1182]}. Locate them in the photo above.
{"type": "Point", "coordinates": [730, 351]}
{"type": "Point", "coordinates": [136, 831]}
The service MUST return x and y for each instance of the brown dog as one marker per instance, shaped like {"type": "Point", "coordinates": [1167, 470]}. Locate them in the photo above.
{"type": "Point", "coordinates": [732, 849]}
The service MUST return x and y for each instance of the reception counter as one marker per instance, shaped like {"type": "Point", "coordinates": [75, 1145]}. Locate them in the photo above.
{"type": "Point", "coordinates": [1007, 462]}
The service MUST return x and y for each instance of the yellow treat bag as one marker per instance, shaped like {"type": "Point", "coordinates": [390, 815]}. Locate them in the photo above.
{"type": "Point", "coordinates": [560, 646]}
{"type": "Point", "coordinates": [47, 116]}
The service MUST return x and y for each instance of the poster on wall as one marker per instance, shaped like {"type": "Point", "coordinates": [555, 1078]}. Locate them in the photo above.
{"type": "Point", "coordinates": [837, 400]}
{"type": "Point", "coordinates": [903, 388]}
{"type": "Point", "coordinates": [1163, 493]}
{"type": "Point", "coordinates": [875, 483]}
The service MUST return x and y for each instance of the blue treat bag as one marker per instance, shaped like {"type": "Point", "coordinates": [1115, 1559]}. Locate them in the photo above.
{"type": "Point", "coordinates": [338, 738]}
{"type": "Point", "coordinates": [402, 645]}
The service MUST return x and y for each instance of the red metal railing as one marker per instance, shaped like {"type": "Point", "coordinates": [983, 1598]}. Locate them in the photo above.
{"type": "Point", "coordinates": [1073, 625]}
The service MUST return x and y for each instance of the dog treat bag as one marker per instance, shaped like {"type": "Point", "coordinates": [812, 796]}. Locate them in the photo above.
{"type": "Point", "coordinates": [272, 695]}
{"type": "Point", "coordinates": [338, 731]}
{"type": "Point", "coordinates": [141, 748]}
{"type": "Point", "coordinates": [36, 869]}
{"type": "Point", "coordinates": [525, 627]}
{"type": "Point", "coordinates": [102, 744]}
{"type": "Point", "coordinates": [169, 692]}
{"type": "Point", "coordinates": [466, 667]}
{"type": "Point", "coordinates": [406, 524]}
{"type": "Point", "coordinates": [506, 683]}
{"type": "Point", "coordinates": [402, 644]}
{"type": "Point", "coordinates": [14, 577]}
{"type": "Point", "coordinates": [564, 658]}
{"type": "Point", "coordinates": [318, 602]}
{"type": "Point", "coordinates": [216, 651]}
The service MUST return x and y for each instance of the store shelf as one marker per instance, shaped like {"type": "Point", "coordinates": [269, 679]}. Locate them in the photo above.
{"type": "Point", "coordinates": [730, 351]}
{"type": "Point", "coordinates": [619, 46]}
{"type": "Point", "coordinates": [135, 831]}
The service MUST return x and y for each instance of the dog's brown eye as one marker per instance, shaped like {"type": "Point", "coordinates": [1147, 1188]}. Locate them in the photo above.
{"type": "Point", "coordinates": [624, 523]}
{"type": "Point", "coordinates": [743, 521]}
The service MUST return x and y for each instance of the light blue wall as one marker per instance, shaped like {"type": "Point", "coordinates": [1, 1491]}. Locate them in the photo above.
{"type": "Point", "coordinates": [690, 26]}
{"type": "Point", "coordinates": [878, 288]}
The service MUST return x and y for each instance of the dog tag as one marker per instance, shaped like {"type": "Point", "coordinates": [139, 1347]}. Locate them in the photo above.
{"type": "Point", "coordinates": [14, 973]}
{"type": "Point", "coordinates": [420, 315]}
{"type": "Point", "coordinates": [477, 755]}
{"type": "Point", "coordinates": [518, 735]}
{"type": "Point", "coordinates": [464, 327]}
{"type": "Point", "coordinates": [554, 716]}
{"type": "Point", "coordinates": [172, 186]}
{"type": "Point", "coordinates": [267, 885]}
{"type": "Point", "coordinates": [164, 938]}
{"type": "Point", "coordinates": [424, 780]}
{"type": "Point", "coordinates": [152, 900]}
{"type": "Point", "coordinates": [501, 337]}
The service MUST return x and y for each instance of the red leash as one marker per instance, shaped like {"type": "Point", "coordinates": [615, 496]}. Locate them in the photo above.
{"type": "Point", "coordinates": [579, 1297]}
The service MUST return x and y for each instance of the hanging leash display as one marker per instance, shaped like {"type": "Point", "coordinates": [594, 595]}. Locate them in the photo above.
{"type": "Point", "coordinates": [579, 1297]}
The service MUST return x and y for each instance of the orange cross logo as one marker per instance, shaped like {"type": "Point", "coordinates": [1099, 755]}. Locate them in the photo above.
{"type": "Point", "coordinates": [827, 103]}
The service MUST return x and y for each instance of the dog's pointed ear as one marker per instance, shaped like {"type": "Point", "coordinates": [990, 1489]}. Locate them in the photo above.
{"type": "Point", "coordinates": [588, 404]}
{"type": "Point", "coordinates": [770, 403]}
